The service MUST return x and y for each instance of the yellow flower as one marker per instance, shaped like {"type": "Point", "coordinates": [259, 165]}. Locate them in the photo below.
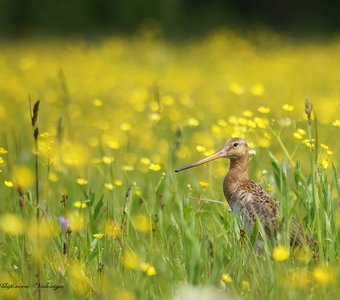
{"type": "Point", "coordinates": [236, 88]}
{"type": "Point", "coordinates": [79, 204]}
{"type": "Point", "coordinates": [124, 295]}
{"type": "Point", "coordinates": [98, 235]}
{"type": "Point", "coordinates": [109, 186]}
{"type": "Point", "coordinates": [53, 177]}
{"type": "Point", "coordinates": [301, 131]}
{"type": "Point", "coordinates": [288, 107]}
{"type": "Point", "coordinates": [148, 269]}
{"type": "Point", "coordinates": [324, 275]}
{"type": "Point", "coordinates": [82, 181]}
{"type": "Point", "coordinates": [142, 223]}
{"type": "Point", "coordinates": [280, 253]}
{"type": "Point", "coordinates": [128, 168]}
{"type": "Point", "coordinates": [97, 102]}
{"type": "Point", "coordinates": [1, 161]}
{"type": "Point", "coordinates": [263, 110]}
{"type": "Point", "coordinates": [247, 113]}
{"type": "Point", "coordinates": [145, 161]}
{"type": "Point", "coordinates": [245, 286]}
{"type": "Point", "coordinates": [297, 135]}
{"type": "Point", "coordinates": [329, 152]}
{"type": "Point", "coordinates": [131, 260]}
{"type": "Point", "coordinates": [324, 164]}
{"type": "Point", "coordinates": [204, 184]}
{"type": "Point", "coordinates": [118, 182]}
{"type": "Point", "coordinates": [222, 123]}
{"type": "Point", "coordinates": [297, 278]}
{"type": "Point", "coordinates": [3, 150]}
{"type": "Point", "coordinates": [8, 183]}
{"type": "Point", "coordinates": [257, 89]}
{"type": "Point", "coordinates": [23, 176]}
{"type": "Point", "coordinates": [200, 148]}
{"type": "Point", "coordinates": [11, 224]}
{"type": "Point", "coordinates": [336, 123]}
{"type": "Point", "coordinates": [193, 122]}
{"type": "Point", "coordinates": [125, 126]}
{"type": "Point", "coordinates": [107, 160]}
{"type": "Point", "coordinates": [154, 117]}
{"type": "Point", "coordinates": [154, 167]}
{"type": "Point", "coordinates": [226, 278]}
{"type": "Point", "coordinates": [112, 229]}
{"type": "Point", "coordinates": [45, 135]}
{"type": "Point", "coordinates": [324, 147]}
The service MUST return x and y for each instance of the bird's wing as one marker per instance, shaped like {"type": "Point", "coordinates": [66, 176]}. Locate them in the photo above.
{"type": "Point", "coordinates": [259, 206]}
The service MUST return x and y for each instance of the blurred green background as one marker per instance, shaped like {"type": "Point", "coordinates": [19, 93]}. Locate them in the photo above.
{"type": "Point", "coordinates": [177, 18]}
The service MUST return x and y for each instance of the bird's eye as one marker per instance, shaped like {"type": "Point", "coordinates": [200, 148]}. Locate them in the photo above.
{"type": "Point", "coordinates": [235, 144]}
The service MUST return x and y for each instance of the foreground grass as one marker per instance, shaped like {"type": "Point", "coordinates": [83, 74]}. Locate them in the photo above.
{"type": "Point", "coordinates": [113, 219]}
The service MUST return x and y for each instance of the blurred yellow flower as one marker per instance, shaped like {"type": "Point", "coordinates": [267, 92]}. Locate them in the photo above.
{"type": "Point", "coordinates": [107, 160]}
{"type": "Point", "coordinates": [23, 176]}
{"type": "Point", "coordinates": [125, 126]}
{"type": "Point", "coordinates": [237, 88]}
{"type": "Point", "coordinates": [53, 177]}
{"type": "Point", "coordinates": [336, 123]}
{"type": "Point", "coordinates": [324, 164]}
{"type": "Point", "coordinates": [11, 224]}
{"type": "Point", "coordinates": [329, 152]}
{"type": "Point", "coordinates": [204, 184]}
{"type": "Point", "coordinates": [257, 89]}
{"type": "Point", "coordinates": [148, 269]}
{"type": "Point", "coordinates": [76, 221]}
{"type": "Point", "coordinates": [108, 186]}
{"type": "Point", "coordinates": [297, 135]}
{"type": "Point", "coordinates": [145, 161]}
{"type": "Point", "coordinates": [280, 253]}
{"type": "Point", "coordinates": [200, 148]}
{"type": "Point", "coordinates": [226, 278]}
{"type": "Point", "coordinates": [155, 117]}
{"type": "Point", "coordinates": [118, 182]}
{"type": "Point", "coordinates": [79, 204]}
{"type": "Point", "coordinates": [301, 131]}
{"type": "Point", "coordinates": [324, 147]}
{"type": "Point", "coordinates": [131, 260]}
{"type": "Point", "coordinates": [193, 122]}
{"type": "Point", "coordinates": [222, 123]}
{"type": "Point", "coordinates": [98, 102]}
{"type": "Point", "coordinates": [128, 168]}
{"type": "Point", "coordinates": [98, 235]}
{"type": "Point", "coordinates": [45, 135]}
{"type": "Point", "coordinates": [324, 275]}
{"type": "Point", "coordinates": [112, 229]}
{"type": "Point", "coordinates": [154, 167]}
{"type": "Point", "coordinates": [248, 113]}
{"type": "Point", "coordinates": [288, 107]}
{"type": "Point", "coordinates": [124, 295]}
{"type": "Point", "coordinates": [9, 183]}
{"type": "Point", "coordinates": [82, 181]}
{"type": "Point", "coordinates": [297, 278]}
{"type": "Point", "coordinates": [3, 150]}
{"type": "Point", "coordinates": [1, 161]}
{"type": "Point", "coordinates": [142, 223]}
{"type": "Point", "coordinates": [263, 110]}
{"type": "Point", "coordinates": [245, 286]}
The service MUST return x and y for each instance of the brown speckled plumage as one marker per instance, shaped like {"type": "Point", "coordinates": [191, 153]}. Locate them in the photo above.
{"type": "Point", "coordinates": [247, 199]}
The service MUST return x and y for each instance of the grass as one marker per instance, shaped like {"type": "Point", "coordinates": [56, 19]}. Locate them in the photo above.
{"type": "Point", "coordinates": [108, 217]}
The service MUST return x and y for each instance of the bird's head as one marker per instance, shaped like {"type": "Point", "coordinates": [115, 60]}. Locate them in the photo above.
{"type": "Point", "coordinates": [233, 149]}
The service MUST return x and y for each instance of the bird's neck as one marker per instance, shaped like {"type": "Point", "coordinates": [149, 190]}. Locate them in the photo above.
{"type": "Point", "coordinates": [239, 168]}
{"type": "Point", "coordinates": [238, 171]}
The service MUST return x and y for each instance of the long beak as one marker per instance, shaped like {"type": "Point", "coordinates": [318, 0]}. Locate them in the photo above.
{"type": "Point", "coordinates": [219, 154]}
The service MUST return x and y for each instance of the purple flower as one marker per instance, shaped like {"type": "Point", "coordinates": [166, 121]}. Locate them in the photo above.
{"type": "Point", "coordinates": [63, 222]}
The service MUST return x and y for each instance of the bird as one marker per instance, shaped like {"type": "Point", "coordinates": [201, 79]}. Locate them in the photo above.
{"type": "Point", "coordinates": [248, 200]}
